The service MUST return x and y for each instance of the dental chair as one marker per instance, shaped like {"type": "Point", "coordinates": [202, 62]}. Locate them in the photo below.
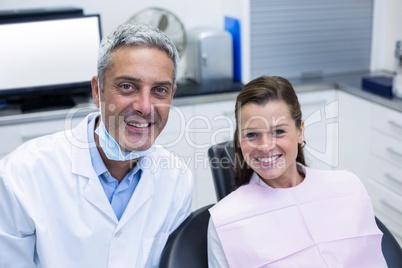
{"type": "Point", "coordinates": [187, 245]}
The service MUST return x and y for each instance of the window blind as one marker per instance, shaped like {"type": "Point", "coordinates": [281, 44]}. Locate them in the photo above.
{"type": "Point", "coordinates": [309, 38]}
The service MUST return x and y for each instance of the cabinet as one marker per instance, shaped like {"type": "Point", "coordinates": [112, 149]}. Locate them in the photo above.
{"type": "Point", "coordinates": [354, 129]}
{"type": "Point", "coordinates": [384, 181]}
{"type": "Point", "coordinates": [370, 146]}
{"type": "Point", "coordinates": [320, 115]}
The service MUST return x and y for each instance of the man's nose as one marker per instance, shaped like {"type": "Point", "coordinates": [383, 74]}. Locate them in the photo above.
{"type": "Point", "coordinates": [142, 103]}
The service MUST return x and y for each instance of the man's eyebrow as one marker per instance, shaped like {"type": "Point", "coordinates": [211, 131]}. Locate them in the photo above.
{"type": "Point", "coordinates": [163, 83]}
{"type": "Point", "coordinates": [129, 78]}
{"type": "Point", "coordinates": [137, 80]}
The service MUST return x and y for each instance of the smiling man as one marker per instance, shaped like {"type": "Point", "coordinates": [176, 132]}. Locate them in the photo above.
{"type": "Point", "coordinates": [135, 96]}
{"type": "Point", "coordinates": [93, 196]}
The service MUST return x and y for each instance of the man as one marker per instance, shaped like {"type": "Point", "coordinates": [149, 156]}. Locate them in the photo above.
{"type": "Point", "coordinates": [95, 196]}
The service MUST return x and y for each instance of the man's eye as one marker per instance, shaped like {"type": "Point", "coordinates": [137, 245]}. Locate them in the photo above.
{"type": "Point", "coordinates": [161, 90]}
{"type": "Point", "coordinates": [126, 87]}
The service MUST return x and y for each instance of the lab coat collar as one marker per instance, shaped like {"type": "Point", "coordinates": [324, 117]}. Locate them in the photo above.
{"type": "Point", "coordinates": [82, 166]}
{"type": "Point", "coordinates": [81, 158]}
{"type": "Point", "coordinates": [94, 193]}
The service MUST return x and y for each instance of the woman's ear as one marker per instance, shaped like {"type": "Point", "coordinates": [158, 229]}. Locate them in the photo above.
{"type": "Point", "coordinates": [301, 132]}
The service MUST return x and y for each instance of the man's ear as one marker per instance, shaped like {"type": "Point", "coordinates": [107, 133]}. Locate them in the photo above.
{"type": "Point", "coordinates": [95, 90]}
{"type": "Point", "coordinates": [174, 90]}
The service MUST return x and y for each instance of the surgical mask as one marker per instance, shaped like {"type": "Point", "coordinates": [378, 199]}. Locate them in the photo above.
{"type": "Point", "coordinates": [110, 146]}
{"type": "Point", "coordinates": [112, 149]}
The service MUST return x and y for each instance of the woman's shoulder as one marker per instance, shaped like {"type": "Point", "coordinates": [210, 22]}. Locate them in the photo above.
{"type": "Point", "coordinates": [242, 203]}
{"type": "Point", "coordinates": [335, 179]}
{"type": "Point", "coordinates": [238, 195]}
{"type": "Point", "coordinates": [330, 174]}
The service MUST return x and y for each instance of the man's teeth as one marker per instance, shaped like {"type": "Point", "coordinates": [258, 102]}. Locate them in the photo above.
{"type": "Point", "coordinates": [138, 125]}
{"type": "Point", "coordinates": [268, 159]}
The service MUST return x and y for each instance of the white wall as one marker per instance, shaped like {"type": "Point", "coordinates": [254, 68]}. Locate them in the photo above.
{"type": "Point", "coordinates": [387, 29]}
{"type": "Point", "coordinates": [387, 24]}
{"type": "Point", "coordinates": [113, 13]}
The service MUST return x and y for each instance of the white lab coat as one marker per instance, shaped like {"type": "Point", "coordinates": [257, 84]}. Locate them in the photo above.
{"type": "Point", "coordinates": [54, 212]}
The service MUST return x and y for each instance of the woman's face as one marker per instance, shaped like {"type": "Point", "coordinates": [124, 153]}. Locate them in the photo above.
{"type": "Point", "coordinates": [269, 142]}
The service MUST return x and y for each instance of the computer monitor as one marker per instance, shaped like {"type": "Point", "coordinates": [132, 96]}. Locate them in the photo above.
{"type": "Point", "coordinates": [48, 56]}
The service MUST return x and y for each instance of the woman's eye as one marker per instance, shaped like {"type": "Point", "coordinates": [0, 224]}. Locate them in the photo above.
{"type": "Point", "coordinates": [251, 135]}
{"type": "Point", "coordinates": [278, 132]}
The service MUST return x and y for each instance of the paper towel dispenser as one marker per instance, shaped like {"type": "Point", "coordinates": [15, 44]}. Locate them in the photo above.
{"type": "Point", "coordinates": [209, 56]}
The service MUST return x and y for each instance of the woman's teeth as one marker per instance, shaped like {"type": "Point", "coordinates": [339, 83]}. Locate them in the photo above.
{"type": "Point", "coordinates": [138, 125]}
{"type": "Point", "coordinates": [268, 159]}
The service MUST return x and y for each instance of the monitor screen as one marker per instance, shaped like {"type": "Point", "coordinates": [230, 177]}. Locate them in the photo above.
{"type": "Point", "coordinates": [49, 53]}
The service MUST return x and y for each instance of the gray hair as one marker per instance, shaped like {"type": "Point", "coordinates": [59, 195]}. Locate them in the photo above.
{"type": "Point", "coordinates": [142, 35]}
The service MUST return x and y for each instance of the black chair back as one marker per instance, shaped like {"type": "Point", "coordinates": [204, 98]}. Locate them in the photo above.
{"type": "Point", "coordinates": [221, 159]}
{"type": "Point", "coordinates": [187, 245]}
{"type": "Point", "coordinates": [390, 248]}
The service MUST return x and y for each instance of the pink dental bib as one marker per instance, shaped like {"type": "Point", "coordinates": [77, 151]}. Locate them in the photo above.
{"type": "Point", "coordinates": [326, 221]}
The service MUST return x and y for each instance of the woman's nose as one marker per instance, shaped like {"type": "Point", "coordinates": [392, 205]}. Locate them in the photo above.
{"type": "Point", "coordinates": [267, 144]}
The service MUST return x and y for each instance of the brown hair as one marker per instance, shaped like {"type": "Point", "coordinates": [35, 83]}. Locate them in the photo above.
{"type": "Point", "coordinates": [261, 91]}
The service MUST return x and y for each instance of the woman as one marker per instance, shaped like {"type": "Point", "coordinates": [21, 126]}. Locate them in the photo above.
{"type": "Point", "coordinates": [286, 214]}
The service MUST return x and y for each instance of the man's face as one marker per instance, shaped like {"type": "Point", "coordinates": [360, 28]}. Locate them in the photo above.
{"type": "Point", "coordinates": [137, 94]}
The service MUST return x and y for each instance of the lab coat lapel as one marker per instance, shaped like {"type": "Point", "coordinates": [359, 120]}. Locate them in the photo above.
{"type": "Point", "coordinates": [141, 195]}
{"type": "Point", "coordinates": [82, 167]}
{"type": "Point", "coordinates": [95, 194]}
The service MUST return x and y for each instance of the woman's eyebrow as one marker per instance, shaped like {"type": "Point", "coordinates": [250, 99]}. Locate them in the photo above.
{"type": "Point", "coordinates": [280, 125]}
{"type": "Point", "coordinates": [272, 127]}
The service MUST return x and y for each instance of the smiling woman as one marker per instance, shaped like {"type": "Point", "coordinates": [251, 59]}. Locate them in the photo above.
{"type": "Point", "coordinates": [269, 138]}
{"type": "Point", "coordinates": [284, 213]}
{"type": "Point", "coordinates": [270, 106]}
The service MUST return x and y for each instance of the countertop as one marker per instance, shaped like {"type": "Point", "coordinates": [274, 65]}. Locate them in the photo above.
{"type": "Point", "coordinates": [189, 94]}
{"type": "Point", "coordinates": [350, 83]}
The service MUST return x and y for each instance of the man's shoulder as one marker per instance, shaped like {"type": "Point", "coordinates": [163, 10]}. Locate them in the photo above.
{"type": "Point", "coordinates": [51, 144]}
{"type": "Point", "coordinates": [163, 156]}
{"type": "Point", "coordinates": [35, 148]}
{"type": "Point", "coordinates": [44, 143]}
{"type": "Point", "coordinates": [165, 164]}
{"type": "Point", "coordinates": [35, 160]}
